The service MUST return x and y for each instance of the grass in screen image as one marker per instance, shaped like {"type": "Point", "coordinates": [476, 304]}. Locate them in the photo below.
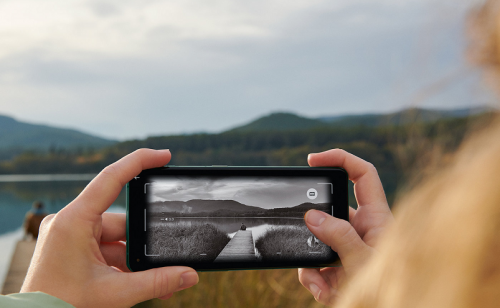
{"type": "Point", "coordinates": [190, 243]}
{"type": "Point", "coordinates": [291, 243]}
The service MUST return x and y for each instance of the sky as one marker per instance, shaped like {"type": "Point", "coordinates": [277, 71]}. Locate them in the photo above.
{"type": "Point", "coordinates": [262, 192]}
{"type": "Point", "coordinates": [129, 69]}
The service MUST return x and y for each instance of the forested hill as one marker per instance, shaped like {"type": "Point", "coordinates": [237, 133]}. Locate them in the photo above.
{"type": "Point", "coordinates": [282, 121]}
{"type": "Point", "coordinates": [396, 150]}
{"type": "Point", "coordinates": [16, 137]}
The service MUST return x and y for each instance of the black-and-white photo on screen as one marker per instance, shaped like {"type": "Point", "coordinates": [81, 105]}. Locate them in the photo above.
{"type": "Point", "coordinates": [251, 219]}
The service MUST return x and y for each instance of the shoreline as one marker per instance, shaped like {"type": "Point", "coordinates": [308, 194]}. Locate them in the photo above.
{"type": "Point", "coordinates": [14, 178]}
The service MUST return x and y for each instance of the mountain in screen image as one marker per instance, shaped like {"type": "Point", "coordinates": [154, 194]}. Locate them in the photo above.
{"type": "Point", "coordinates": [199, 206]}
{"type": "Point", "coordinates": [229, 208]}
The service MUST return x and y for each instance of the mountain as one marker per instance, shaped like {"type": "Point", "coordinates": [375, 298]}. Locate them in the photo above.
{"type": "Point", "coordinates": [289, 121]}
{"type": "Point", "coordinates": [198, 206]}
{"type": "Point", "coordinates": [405, 116]}
{"type": "Point", "coordinates": [18, 136]}
{"type": "Point", "coordinates": [280, 121]}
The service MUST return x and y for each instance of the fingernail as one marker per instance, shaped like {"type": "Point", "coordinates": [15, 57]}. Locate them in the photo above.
{"type": "Point", "coordinates": [315, 290]}
{"type": "Point", "coordinates": [188, 279]}
{"type": "Point", "coordinates": [309, 155]}
{"type": "Point", "coordinates": [315, 218]}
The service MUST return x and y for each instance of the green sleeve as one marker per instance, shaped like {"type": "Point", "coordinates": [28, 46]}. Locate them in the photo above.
{"type": "Point", "coordinates": [32, 300]}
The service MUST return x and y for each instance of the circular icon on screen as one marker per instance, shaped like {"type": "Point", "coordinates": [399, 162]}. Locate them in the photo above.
{"type": "Point", "coordinates": [312, 193]}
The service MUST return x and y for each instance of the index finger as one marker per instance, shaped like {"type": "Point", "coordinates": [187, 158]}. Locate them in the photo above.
{"type": "Point", "coordinates": [103, 190]}
{"type": "Point", "coordinates": [367, 185]}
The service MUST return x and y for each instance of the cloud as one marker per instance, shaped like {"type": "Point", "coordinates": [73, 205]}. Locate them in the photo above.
{"type": "Point", "coordinates": [135, 68]}
{"type": "Point", "coordinates": [261, 192]}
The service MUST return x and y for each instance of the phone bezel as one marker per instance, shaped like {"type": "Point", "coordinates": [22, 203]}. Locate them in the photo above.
{"type": "Point", "coordinates": [136, 237]}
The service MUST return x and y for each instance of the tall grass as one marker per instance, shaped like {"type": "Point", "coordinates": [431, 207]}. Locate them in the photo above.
{"type": "Point", "coordinates": [241, 289]}
{"type": "Point", "coordinates": [289, 243]}
{"type": "Point", "coordinates": [187, 243]}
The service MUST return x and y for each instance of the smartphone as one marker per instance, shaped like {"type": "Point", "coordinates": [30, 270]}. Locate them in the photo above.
{"type": "Point", "coordinates": [231, 218]}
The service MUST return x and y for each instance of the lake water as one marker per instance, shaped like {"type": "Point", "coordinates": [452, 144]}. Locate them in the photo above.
{"type": "Point", "coordinates": [17, 193]}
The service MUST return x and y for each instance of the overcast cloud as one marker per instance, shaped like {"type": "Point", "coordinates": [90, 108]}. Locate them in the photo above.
{"type": "Point", "coordinates": [126, 68]}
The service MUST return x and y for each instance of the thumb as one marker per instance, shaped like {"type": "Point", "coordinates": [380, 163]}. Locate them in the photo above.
{"type": "Point", "coordinates": [155, 283]}
{"type": "Point", "coordinates": [341, 237]}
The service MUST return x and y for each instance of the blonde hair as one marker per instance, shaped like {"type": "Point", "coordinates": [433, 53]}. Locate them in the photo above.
{"type": "Point", "coordinates": [444, 249]}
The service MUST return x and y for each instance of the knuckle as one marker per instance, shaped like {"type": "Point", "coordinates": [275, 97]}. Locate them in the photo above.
{"type": "Point", "coordinates": [371, 167]}
{"type": "Point", "coordinates": [109, 170]}
{"type": "Point", "coordinates": [160, 287]}
{"type": "Point", "coordinates": [344, 232]}
{"type": "Point", "coordinates": [46, 221]}
{"type": "Point", "coordinates": [302, 277]}
{"type": "Point", "coordinates": [338, 152]}
{"type": "Point", "coordinates": [142, 151]}
{"type": "Point", "coordinates": [55, 224]}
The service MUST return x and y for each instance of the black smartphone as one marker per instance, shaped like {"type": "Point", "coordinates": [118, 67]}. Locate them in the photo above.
{"type": "Point", "coordinates": [231, 218]}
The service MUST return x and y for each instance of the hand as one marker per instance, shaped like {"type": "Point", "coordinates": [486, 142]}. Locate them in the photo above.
{"type": "Point", "coordinates": [352, 241]}
{"type": "Point", "coordinates": [80, 256]}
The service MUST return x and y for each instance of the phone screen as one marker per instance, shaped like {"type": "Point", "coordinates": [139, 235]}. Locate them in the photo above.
{"type": "Point", "coordinates": [236, 220]}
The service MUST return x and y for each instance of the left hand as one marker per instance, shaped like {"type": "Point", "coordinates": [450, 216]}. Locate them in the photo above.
{"type": "Point", "coordinates": [80, 256]}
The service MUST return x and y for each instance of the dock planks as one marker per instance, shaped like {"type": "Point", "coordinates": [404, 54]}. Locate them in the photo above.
{"type": "Point", "coordinates": [240, 248]}
{"type": "Point", "coordinates": [18, 267]}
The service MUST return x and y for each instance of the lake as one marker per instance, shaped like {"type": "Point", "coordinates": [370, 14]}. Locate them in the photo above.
{"type": "Point", "coordinates": [17, 193]}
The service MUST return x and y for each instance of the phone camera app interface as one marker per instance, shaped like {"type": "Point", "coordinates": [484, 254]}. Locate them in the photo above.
{"type": "Point", "coordinates": [234, 219]}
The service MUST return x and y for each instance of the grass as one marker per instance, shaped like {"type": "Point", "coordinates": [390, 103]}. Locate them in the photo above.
{"type": "Point", "coordinates": [289, 243]}
{"type": "Point", "coordinates": [187, 243]}
{"type": "Point", "coordinates": [241, 289]}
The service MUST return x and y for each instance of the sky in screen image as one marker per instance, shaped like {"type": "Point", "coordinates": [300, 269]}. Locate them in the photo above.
{"type": "Point", "coordinates": [127, 69]}
{"type": "Point", "coordinates": [262, 192]}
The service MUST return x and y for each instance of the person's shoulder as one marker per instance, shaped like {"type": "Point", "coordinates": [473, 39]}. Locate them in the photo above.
{"type": "Point", "coordinates": [33, 299]}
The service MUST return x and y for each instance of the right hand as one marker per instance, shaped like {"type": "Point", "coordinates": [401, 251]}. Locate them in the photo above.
{"type": "Point", "coordinates": [355, 241]}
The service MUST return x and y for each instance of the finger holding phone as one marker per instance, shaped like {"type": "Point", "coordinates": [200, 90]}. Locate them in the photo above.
{"type": "Point", "coordinates": [80, 256]}
{"type": "Point", "coordinates": [355, 241]}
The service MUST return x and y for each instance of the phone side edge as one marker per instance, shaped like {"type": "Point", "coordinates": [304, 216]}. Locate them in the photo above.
{"type": "Point", "coordinates": [127, 201]}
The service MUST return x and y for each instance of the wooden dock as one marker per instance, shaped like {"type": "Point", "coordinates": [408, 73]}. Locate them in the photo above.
{"type": "Point", "coordinates": [18, 267]}
{"type": "Point", "coordinates": [240, 248]}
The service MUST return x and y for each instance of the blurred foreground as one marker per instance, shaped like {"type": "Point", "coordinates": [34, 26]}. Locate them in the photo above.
{"type": "Point", "coordinates": [263, 288]}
